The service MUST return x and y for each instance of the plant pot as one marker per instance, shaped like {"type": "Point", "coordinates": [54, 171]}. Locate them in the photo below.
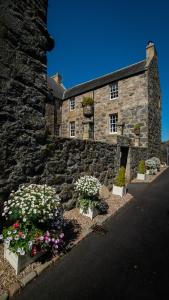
{"type": "Point", "coordinates": [119, 190]}
{"type": "Point", "coordinates": [88, 111]}
{"type": "Point", "coordinates": [141, 176]}
{"type": "Point", "coordinates": [19, 262]}
{"type": "Point", "coordinates": [137, 131]}
{"type": "Point", "coordinates": [91, 212]}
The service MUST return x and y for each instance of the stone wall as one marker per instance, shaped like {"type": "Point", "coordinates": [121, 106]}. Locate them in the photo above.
{"type": "Point", "coordinates": [68, 159]}
{"type": "Point", "coordinates": [135, 155]}
{"type": "Point", "coordinates": [154, 109]}
{"type": "Point", "coordinates": [131, 106]}
{"type": "Point", "coordinates": [24, 40]}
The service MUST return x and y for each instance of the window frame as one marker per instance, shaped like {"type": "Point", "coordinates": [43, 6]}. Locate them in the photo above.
{"type": "Point", "coordinates": [58, 130]}
{"type": "Point", "coordinates": [70, 129]}
{"type": "Point", "coordinates": [115, 123]}
{"type": "Point", "coordinates": [70, 104]}
{"type": "Point", "coordinates": [114, 93]}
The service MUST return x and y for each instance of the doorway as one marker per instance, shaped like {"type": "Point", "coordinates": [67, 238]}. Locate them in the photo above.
{"type": "Point", "coordinates": [123, 156]}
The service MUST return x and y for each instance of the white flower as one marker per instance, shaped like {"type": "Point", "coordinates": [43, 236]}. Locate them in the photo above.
{"type": "Point", "coordinates": [7, 242]}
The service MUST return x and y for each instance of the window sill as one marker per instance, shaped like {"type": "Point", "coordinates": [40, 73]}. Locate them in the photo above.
{"type": "Point", "coordinates": [111, 99]}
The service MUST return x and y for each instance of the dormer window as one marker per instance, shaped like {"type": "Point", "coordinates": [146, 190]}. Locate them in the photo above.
{"type": "Point", "coordinates": [72, 104]}
{"type": "Point", "coordinates": [114, 90]}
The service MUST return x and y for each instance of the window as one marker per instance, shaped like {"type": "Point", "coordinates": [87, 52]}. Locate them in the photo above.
{"type": "Point", "coordinates": [72, 129]}
{"type": "Point", "coordinates": [72, 103]}
{"type": "Point", "coordinates": [113, 119]}
{"type": "Point", "coordinates": [57, 130]}
{"type": "Point", "coordinates": [114, 91]}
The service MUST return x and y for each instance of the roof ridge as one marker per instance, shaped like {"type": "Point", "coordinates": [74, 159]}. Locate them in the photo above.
{"type": "Point", "coordinates": [111, 73]}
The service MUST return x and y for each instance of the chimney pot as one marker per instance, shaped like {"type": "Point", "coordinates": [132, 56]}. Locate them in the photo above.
{"type": "Point", "coordinates": [57, 78]}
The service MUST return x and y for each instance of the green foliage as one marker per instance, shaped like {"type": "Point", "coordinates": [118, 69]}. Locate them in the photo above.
{"type": "Point", "coordinates": [87, 101]}
{"type": "Point", "coordinates": [85, 203]}
{"type": "Point", "coordinates": [120, 177]}
{"type": "Point", "coordinates": [141, 167]}
{"type": "Point", "coordinates": [136, 126]}
{"type": "Point", "coordinates": [20, 238]}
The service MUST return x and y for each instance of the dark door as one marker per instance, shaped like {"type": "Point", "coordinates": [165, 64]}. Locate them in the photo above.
{"type": "Point", "coordinates": [124, 156]}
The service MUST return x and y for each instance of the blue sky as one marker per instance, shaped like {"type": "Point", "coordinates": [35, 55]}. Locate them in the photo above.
{"type": "Point", "coordinates": [93, 38]}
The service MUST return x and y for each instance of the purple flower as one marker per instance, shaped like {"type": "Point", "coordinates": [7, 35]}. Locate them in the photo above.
{"type": "Point", "coordinates": [61, 235]}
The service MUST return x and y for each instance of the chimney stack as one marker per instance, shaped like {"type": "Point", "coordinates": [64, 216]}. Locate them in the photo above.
{"type": "Point", "coordinates": [57, 78]}
{"type": "Point", "coordinates": [150, 51]}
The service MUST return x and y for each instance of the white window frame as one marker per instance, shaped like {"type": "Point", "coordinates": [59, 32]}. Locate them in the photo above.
{"type": "Point", "coordinates": [72, 129]}
{"type": "Point", "coordinates": [72, 104]}
{"type": "Point", "coordinates": [113, 122]}
{"type": "Point", "coordinates": [114, 91]}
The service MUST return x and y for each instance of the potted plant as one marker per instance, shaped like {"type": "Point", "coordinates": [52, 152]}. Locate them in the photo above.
{"type": "Point", "coordinates": [151, 167]}
{"type": "Point", "coordinates": [87, 104]}
{"type": "Point", "coordinates": [157, 162]}
{"type": "Point", "coordinates": [38, 217]}
{"type": "Point", "coordinates": [88, 189]}
{"type": "Point", "coordinates": [137, 129]}
{"type": "Point", "coordinates": [119, 184]}
{"type": "Point", "coordinates": [141, 170]}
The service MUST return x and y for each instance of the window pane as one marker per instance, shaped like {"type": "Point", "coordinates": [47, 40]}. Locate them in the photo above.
{"type": "Point", "coordinates": [72, 129]}
{"type": "Point", "coordinates": [113, 119]}
{"type": "Point", "coordinates": [72, 104]}
{"type": "Point", "coordinates": [114, 90]}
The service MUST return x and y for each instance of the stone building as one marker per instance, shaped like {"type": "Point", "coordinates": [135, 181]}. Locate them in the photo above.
{"type": "Point", "coordinates": [125, 101]}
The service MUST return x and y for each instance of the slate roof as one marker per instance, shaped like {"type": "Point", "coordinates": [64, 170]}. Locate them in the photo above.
{"type": "Point", "coordinates": [57, 89]}
{"type": "Point", "coordinates": [104, 80]}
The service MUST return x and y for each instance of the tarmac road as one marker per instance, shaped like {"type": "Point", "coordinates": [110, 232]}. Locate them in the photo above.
{"type": "Point", "coordinates": [129, 262]}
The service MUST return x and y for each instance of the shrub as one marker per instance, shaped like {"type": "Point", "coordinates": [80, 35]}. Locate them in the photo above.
{"type": "Point", "coordinates": [87, 101]}
{"type": "Point", "coordinates": [141, 167]}
{"type": "Point", "coordinates": [157, 162]}
{"type": "Point", "coordinates": [120, 177]}
{"type": "Point", "coordinates": [33, 204]}
{"type": "Point", "coordinates": [150, 164]}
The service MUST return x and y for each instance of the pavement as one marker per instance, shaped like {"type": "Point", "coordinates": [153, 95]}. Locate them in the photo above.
{"type": "Point", "coordinates": [129, 260]}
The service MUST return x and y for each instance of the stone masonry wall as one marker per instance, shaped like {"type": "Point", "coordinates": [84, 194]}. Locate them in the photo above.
{"type": "Point", "coordinates": [154, 109]}
{"type": "Point", "coordinates": [68, 159]}
{"type": "Point", "coordinates": [135, 155]}
{"type": "Point", "coordinates": [24, 40]}
{"type": "Point", "coordinates": [131, 106]}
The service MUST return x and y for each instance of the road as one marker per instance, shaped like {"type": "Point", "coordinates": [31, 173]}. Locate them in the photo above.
{"type": "Point", "coordinates": [129, 262]}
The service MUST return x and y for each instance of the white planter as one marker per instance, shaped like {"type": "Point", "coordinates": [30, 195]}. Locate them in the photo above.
{"type": "Point", "coordinates": [119, 190]}
{"type": "Point", "coordinates": [19, 262]}
{"type": "Point", "coordinates": [91, 212]}
{"type": "Point", "coordinates": [141, 176]}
